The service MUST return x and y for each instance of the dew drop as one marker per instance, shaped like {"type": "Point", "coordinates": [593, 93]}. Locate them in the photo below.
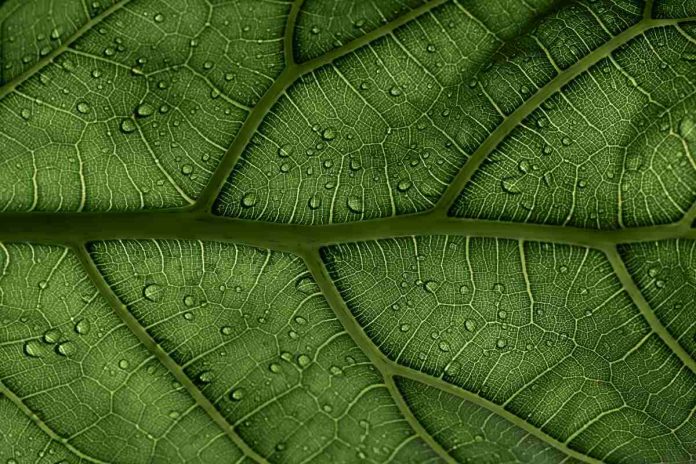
{"type": "Point", "coordinates": [206, 377]}
{"type": "Point", "coordinates": [404, 185]}
{"type": "Point", "coordinates": [237, 394]}
{"type": "Point", "coordinates": [306, 285]}
{"type": "Point", "coordinates": [274, 368]}
{"type": "Point", "coordinates": [226, 330]}
{"type": "Point", "coordinates": [151, 292]}
{"type": "Point", "coordinates": [83, 107]}
{"type": "Point", "coordinates": [189, 300]}
{"type": "Point", "coordinates": [303, 360]}
{"type": "Point", "coordinates": [501, 343]}
{"type": "Point", "coordinates": [335, 370]}
{"type": "Point", "coordinates": [430, 48]}
{"type": "Point", "coordinates": [159, 17]}
{"type": "Point", "coordinates": [509, 185]}
{"type": "Point", "coordinates": [52, 336]}
{"type": "Point", "coordinates": [186, 169]}
{"type": "Point", "coordinates": [395, 91]}
{"type": "Point", "coordinates": [444, 346]}
{"type": "Point", "coordinates": [328, 134]}
{"type": "Point", "coordinates": [470, 325]}
{"type": "Point", "coordinates": [123, 364]}
{"type": "Point", "coordinates": [144, 110]}
{"type": "Point", "coordinates": [285, 151]}
{"type": "Point", "coordinates": [354, 204]}
{"type": "Point", "coordinates": [566, 141]}
{"type": "Point", "coordinates": [83, 327]}
{"type": "Point", "coordinates": [405, 327]}
{"type": "Point", "coordinates": [314, 201]}
{"type": "Point", "coordinates": [34, 349]}
{"type": "Point", "coordinates": [431, 286]}
{"type": "Point", "coordinates": [249, 200]}
{"type": "Point", "coordinates": [686, 126]}
{"type": "Point", "coordinates": [66, 349]}
{"type": "Point", "coordinates": [127, 126]}
{"type": "Point", "coordinates": [25, 113]}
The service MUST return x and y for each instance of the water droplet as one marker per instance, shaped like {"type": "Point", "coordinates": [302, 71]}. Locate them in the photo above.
{"type": "Point", "coordinates": [83, 107]}
{"type": "Point", "coordinates": [274, 367]}
{"type": "Point", "coordinates": [404, 185]}
{"type": "Point", "coordinates": [127, 126]}
{"type": "Point", "coordinates": [189, 300]}
{"type": "Point", "coordinates": [523, 166]}
{"type": "Point", "coordinates": [444, 346]}
{"type": "Point", "coordinates": [566, 141]}
{"type": "Point", "coordinates": [285, 151]}
{"type": "Point", "coordinates": [470, 325]}
{"type": "Point", "coordinates": [328, 134]}
{"type": "Point", "coordinates": [123, 364]}
{"type": "Point", "coordinates": [189, 316]}
{"type": "Point", "coordinates": [83, 327]}
{"type": "Point", "coordinates": [34, 349]}
{"type": "Point", "coordinates": [509, 185]}
{"type": "Point", "coordinates": [144, 110]}
{"type": "Point", "coordinates": [249, 200]}
{"type": "Point", "coordinates": [186, 169]}
{"type": "Point", "coordinates": [226, 330]}
{"type": "Point", "coordinates": [206, 377]}
{"type": "Point", "coordinates": [686, 126]}
{"type": "Point", "coordinates": [314, 201]}
{"type": "Point", "coordinates": [395, 91]}
{"type": "Point", "coordinates": [430, 48]}
{"type": "Point", "coordinates": [159, 17]}
{"type": "Point", "coordinates": [315, 30]}
{"type": "Point", "coordinates": [463, 289]}
{"type": "Point", "coordinates": [653, 271]}
{"type": "Point", "coordinates": [151, 292]}
{"type": "Point", "coordinates": [66, 349]}
{"type": "Point", "coordinates": [237, 394]}
{"type": "Point", "coordinates": [354, 204]}
{"type": "Point", "coordinates": [303, 360]}
{"type": "Point", "coordinates": [306, 285]}
{"type": "Point", "coordinates": [501, 343]}
{"type": "Point", "coordinates": [502, 314]}
{"type": "Point", "coordinates": [405, 327]}
{"type": "Point", "coordinates": [431, 286]}
{"type": "Point", "coordinates": [335, 370]}
{"type": "Point", "coordinates": [25, 113]}
{"type": "Point", "coordinates": [52, 336]}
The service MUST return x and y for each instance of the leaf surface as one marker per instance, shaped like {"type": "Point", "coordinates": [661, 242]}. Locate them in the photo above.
{"type": "Point", "coordinates": [319, 231]}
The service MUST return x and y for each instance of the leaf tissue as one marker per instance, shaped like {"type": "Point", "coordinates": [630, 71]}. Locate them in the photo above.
{"type": "Point", "coordinates": [332, 231]}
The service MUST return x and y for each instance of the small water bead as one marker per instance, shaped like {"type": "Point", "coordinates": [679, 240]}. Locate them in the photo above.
{"type": "Point", "coordinates": [274, 368]}
{"type": "Point", "coordinates": [151, 292]}
{"type": "Point", "coordinates": [315, 30]}
{"type": "Point", "coordinates": [404, 185]}
{"type": "Point", "coordinates": [52, 336]}
{"type": "Point", "coordinates": [405, 327]}
{"type": "Point", "coordinates": [189, 316]}
{"type": "Point", "coordinates": [431, 286]}
{"type": "Point", "coordinates": [226, 330]}
{"type": "Point", "coordinates": [566, 141]}
{"type": "Point", "coordinates": [25, 113]}
{"type": "Point", "coordinates": [328, 134]}
{"type": "Point", "coordinates": [303, 360]}
{"type": "Point", "coordinates": [144, 110]}
{"type": "Point", "coordinates": [314, 201]}
{"type": "Point", "coordinates": [284, 151]}
{"type": "Point", "coordinates": [444, 346]}
{"type": "Point", "coordinates": [206, 377]}
{"type": "Point", "coordinates": [66, 349]}
{"type": "Point", "coordinates": [430, 48]}
{"type": "Point", "coordinates": [509, 185]}
{"type": "Point", "coordinates": [653, 271]}
{"type": "Point", "coordinates": [237, 394]}
{"type": "Point", "coordinates": [189, 300]}
{"type": "Point", "coordinates": [34, 349]}
{"type": "Point", "coordinates": [470, 325]}
{"type": "Point", "coordinates": [395, 91]}
{"type": "Point", "coordinates": [127, 126]}
{"type": "Point", "coordinates": [83, 327]}
{"type": "Point", "coordinates": [249, 200]}
{"type": "Point", "coordinates": [335, 370]}
{"type": "Point", "coordinates": [186, 169]}
{"type": "Point", "coordinates": [501, 343]}
{"type": "Point", "coordinates": [159, 17]}
{"type": "Point", "coordinates": [123, 364]}
{"type": "Point", "coordinates": [83, 107]}
{"type": "Point", "coordinates": [502, 314]}
{"type": "Point", "coordinates": [354, 204]}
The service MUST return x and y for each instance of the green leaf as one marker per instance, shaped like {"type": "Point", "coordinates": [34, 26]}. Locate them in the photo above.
{"type": "Point", "coordinates": [406, 231]}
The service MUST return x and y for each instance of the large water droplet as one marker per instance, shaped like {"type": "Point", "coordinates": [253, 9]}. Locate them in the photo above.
{"type": "Point", "coordinates": [470, 325]}
{"type": "Point", "coordinates": [509, 185]}
{"type": "Point", "coordinates": [66, 349]}
{"type": "Point", "coordinates": [151, 292]}
{"type": "Point", "coordinates": [83, 107]}
{"type": "Point", "coordinates": [303, 360]}
{"type": "Point", "coordinates": [144, 110]}
{"type": "Point", "coordinates": [127, 126]}
{"type": "Point", "coordinates": [249, 200]}
{"type": "Point", "coordinates": [354, 204]}
{"type": "Point", "coordinates": [34, 349]}
{"type": "Point", "coordinates": [83, 327]}
{"type": "Point", "coordinates": [52, 336]}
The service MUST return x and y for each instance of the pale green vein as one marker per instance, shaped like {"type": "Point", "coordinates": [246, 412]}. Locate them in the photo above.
{"type": "Point", "coordinates": [17, 80]}
{"type": "Point", "coordinates": [151, 345]}
{"type": "Point", "coordinates": [289, 37]}
{"type": "Point", "coordinates": [17, 401]}
{"type": "Point", "coordinates": [644, 307]}
{"type": "Point", "coordinates": [390, 368]}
